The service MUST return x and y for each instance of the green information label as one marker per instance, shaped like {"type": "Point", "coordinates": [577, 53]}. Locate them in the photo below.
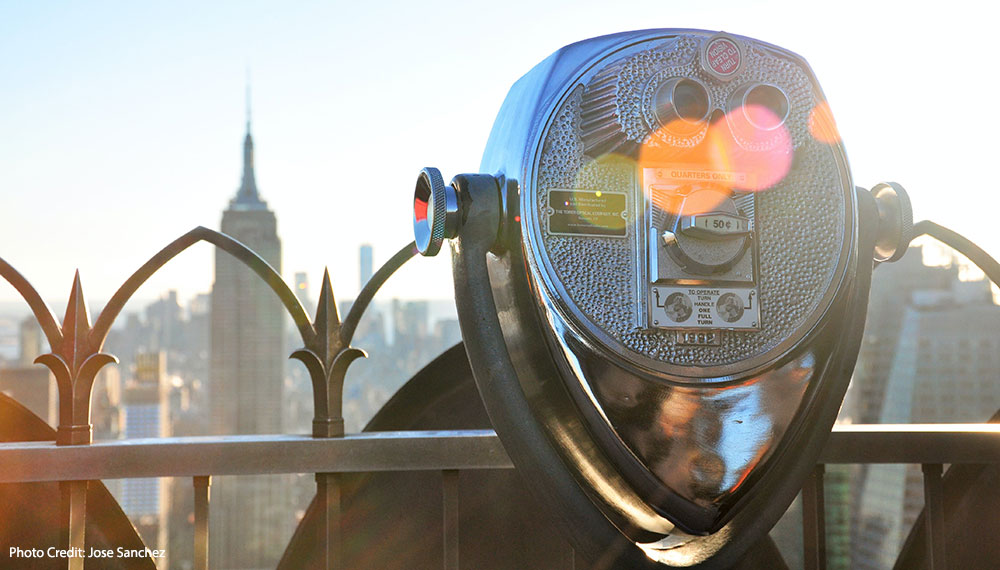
{"type": "Point", "coordinates": [587, 212]}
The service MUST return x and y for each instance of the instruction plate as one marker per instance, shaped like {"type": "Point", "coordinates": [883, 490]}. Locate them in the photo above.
{"type": "Point", "coordinates": [703, 307]}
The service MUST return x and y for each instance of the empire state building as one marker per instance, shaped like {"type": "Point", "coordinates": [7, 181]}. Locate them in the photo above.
{"type": "Point", "coordinates": [247, 374]}
{"type": "Point", "coordinates": [247, 319]}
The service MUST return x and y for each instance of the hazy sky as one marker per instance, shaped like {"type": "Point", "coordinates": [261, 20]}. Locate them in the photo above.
{"type": "Point", "coordinates": [121, 123]}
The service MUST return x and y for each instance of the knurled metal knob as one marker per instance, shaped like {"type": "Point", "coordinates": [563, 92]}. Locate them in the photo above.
{"type": "Point", "coordinates": [895, 221]}
{"type": "Point", "coordinates": [435, 212]}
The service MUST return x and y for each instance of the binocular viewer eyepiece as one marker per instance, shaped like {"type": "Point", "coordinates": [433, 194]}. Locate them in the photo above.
{"type": "Point", "coordinates": [661, 280]}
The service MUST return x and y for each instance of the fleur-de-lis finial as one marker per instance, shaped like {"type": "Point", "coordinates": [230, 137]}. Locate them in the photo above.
{"type": "Point", "coordinates": [75, 360]}
{"type": "Point", "coordinates": [327, 359]}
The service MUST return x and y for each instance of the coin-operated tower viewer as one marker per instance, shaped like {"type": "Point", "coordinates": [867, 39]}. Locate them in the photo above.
{"type": "Point", "coordinates": [661, 276]}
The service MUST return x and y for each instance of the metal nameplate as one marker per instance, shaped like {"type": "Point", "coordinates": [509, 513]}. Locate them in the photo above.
{"type": "Point", "coordinates": [699, 338]}
{"type": "Point", "coordinates": [704, 307]}
{"type": "Point", "coordinates": [587, 212]}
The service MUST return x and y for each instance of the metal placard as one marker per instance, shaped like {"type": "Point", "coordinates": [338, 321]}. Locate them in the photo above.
{"type": "Point", "coordinates": [701, 307]}
{"type": "Point", "coordinates": [587, 212]}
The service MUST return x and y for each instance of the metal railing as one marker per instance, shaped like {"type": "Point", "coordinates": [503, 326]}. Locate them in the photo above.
{"type": "Point", "coordinates": [202, 457]}
{"type": "Point", "coordinates": [932, 446]}
{"type": "Point", "coordinates": [74, 458]}
{"type": "Point", "coordinates": [929, 445]}
{"type": "Point", "coordinates": [76, 357]}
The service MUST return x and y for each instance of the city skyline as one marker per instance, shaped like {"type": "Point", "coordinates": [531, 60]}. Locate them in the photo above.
{"type": "Point", "coordinates": [121, 130]}
{"type": "Point", "coordinates": [413, 344]}
{"type": "Point", "coordinates": [220, 368]}
{"type": "Point", "coordinates": [120, 120]}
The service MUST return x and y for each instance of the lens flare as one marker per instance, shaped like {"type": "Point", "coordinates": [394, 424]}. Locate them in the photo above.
{"type": "Point", "coordinates": [764, 150]}
{"type": "Point", "coordinates": [748, 150]}
{"type": "Point", "coordinates": [821, 124]}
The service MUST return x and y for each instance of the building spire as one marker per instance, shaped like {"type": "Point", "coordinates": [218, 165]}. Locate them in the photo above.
{"type": "Point", "coordinates": [249, 106]}
{"type": "Point", "coordinates": [247, 197]}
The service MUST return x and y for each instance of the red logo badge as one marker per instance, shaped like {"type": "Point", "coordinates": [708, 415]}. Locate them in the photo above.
{"type": "Point", "coordinates": [723, 57]}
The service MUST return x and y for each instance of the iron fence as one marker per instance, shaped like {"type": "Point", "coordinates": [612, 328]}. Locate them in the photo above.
{"type": "Point", "coordinates": [450, 452]}
{"type": "Point", "coordinates": [74, 459]}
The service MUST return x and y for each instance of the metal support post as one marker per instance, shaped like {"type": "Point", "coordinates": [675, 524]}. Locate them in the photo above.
{"type": "Point", "coordinates": [814, 521]}
{"type": "Point", "coordinates": [450, 495]}
{"type": "Point", "coordinates": [934, 517]}
{"type": "Point", "coordinates": [328, 499]}
{"type": "Point", "coordinates": [202, 491]}
{"type": "Point", "coordinates": [74, 509]}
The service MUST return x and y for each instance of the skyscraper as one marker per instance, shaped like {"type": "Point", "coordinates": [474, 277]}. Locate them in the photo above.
{"type": "Point", "coordinates": [893, 285]}
{"type": "Point", "coordinates": [247, 324]}
{"type": "Point", "coordinates": [942, 370]}
{"type": "Point", "coordinates": [302, 292]}
{"type": "Point", "coordinates": [246, 378]}
{"type": "Point", "coordinates": [31, 385]}
{"type": "Point", "coordinates": [147, 501]}
{"type": "Point", "coordinates": [365, 257]}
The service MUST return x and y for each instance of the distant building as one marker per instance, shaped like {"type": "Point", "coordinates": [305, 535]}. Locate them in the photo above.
{"type": "Point", "coordinates": [107, 412]}
{"type": "Point", "coordinates": [409, 321]}
{"type": "Point", "coordinates": [196, 347]}
{"type": "Point", "coordinates": [837, 499]}
{"type": "Point", "coordinates": [31, 340]}
{"type": "Point", "coordinates": [893, 285]}
{"type": "Point", "coordinates": [302, 292]}
{"type": "Point", "coordinates": [145, 410]}
{"type": "Point", "coordinates": [32, 385]}
{"type": "Point", "coordinates": [163, 317]}
{"type": "Point", "coordinates": [298, 400]}
{"type": "Point", "coordinates": [394, 358]}
{"type": "Point", "coordinates": [247, 322]}
{"type": "Point", "coordinates": [943, 368]}
{"type": "Point", "coordinates": [365, 259]}
{"type": "Point", "coordinates": [447, 332]}
{"type": "Point", "coordinates": [245, 382]}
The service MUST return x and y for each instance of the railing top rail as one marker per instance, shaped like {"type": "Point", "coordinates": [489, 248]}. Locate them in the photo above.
{"type": "Point", "coordinates": [422, 450]}
{"type": "Point", "coordinates": [916, 428]}
{"type": "Point", "coordinates": [252, 454]}
{"type": "Point", "coordinates": [913, 443]}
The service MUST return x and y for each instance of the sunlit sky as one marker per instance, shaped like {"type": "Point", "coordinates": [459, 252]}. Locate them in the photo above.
{"type": "Point", "coordinates": [121, 123]}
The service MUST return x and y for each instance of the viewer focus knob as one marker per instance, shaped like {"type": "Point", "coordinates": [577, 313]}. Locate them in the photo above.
{"type": "Point", "coordinates": [895, 225]}
{"type": "Point", "coordinates": [435, 212]}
